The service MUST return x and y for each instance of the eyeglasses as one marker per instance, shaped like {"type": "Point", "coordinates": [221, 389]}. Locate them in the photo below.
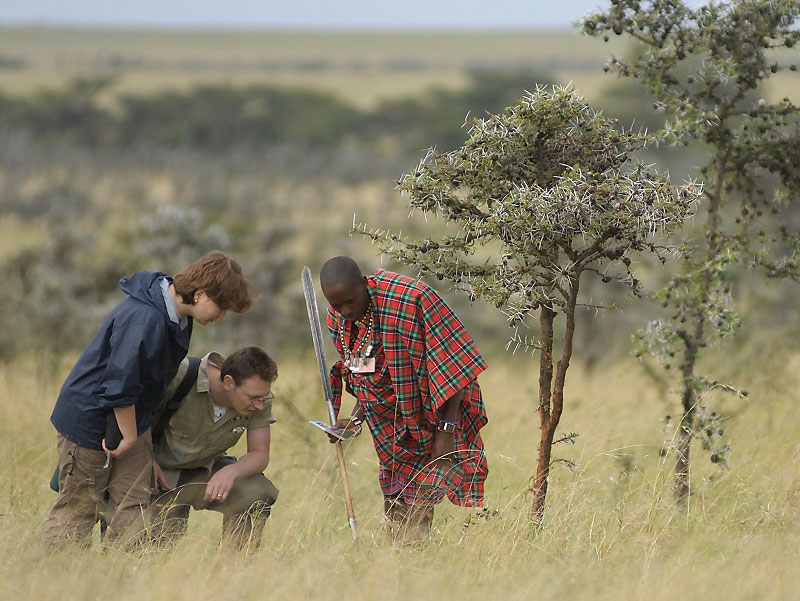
{"type": "Point", "coordinates": [255, 400]}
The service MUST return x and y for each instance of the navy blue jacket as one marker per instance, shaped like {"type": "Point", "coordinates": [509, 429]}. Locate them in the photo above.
{"type": "Point", "coordinates": [130, 361]}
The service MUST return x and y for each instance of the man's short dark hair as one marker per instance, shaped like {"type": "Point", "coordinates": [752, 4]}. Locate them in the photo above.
{"type": "Point", "coordinates": [340, 271]}
{"type": "Point", "coordinates": [248, 362]}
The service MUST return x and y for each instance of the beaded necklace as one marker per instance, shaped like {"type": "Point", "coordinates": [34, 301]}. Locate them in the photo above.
{"type": "Point", "coordinates": [368, 336]}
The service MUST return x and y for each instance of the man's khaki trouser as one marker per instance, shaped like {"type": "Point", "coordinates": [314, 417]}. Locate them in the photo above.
{"type": "Point", "coordinates": [407, 523]}
{"type": "Point", "coordinates": [83, 486]}
{"type": "Point", "coordinates": [244, 512]}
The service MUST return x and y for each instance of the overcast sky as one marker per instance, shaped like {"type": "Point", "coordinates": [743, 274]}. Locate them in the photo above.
{"type": "Point", "coordinates": [403, 14]}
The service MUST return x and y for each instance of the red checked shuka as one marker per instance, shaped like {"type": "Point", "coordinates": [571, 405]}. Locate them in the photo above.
{"type": "Point", "coordinates": [423, 356]}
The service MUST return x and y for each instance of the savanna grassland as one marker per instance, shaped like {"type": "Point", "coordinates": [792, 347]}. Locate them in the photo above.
{"type": "Point", "coordinates": [361, 67]}
{"type": "Point", "coordinates": [611, 531]}
{"type": "Point", "coordinates": [94, 186]}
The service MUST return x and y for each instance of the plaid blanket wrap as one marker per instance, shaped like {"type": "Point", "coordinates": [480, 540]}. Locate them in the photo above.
{"type": "Point", "coordinates": [424, 355]}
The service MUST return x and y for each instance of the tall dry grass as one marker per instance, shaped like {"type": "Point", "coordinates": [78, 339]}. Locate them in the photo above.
{"type": "Point", "coordinates": [610, 531]}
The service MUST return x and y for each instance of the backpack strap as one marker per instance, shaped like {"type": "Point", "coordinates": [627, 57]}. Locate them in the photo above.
{"type": "Point", "coordinates": [161, 419]}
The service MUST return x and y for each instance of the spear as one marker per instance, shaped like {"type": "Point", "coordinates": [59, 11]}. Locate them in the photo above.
{"type": "Point", "coordinates": [322, 363]}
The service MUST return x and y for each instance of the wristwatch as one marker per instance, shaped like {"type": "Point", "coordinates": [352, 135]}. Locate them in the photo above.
{"type": "Point", "coordinates": [446, 426]}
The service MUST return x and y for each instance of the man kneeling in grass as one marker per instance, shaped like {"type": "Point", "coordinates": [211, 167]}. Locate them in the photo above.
{"type": "Point", "coordinates": [217, 400]}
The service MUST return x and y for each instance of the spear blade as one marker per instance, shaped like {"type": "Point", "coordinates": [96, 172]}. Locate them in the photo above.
{"type": "Point", "coordinates": [319, 344]}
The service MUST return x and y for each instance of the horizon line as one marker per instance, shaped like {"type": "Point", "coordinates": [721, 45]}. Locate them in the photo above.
{"type": "Point", "coordinates": [44, 24]}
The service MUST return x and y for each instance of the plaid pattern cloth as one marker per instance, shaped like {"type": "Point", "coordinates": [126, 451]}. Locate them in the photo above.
{"type": "Point", "coordinates": [423, 356]}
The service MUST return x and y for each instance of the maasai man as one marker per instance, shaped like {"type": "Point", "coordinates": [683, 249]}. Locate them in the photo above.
{"type": "Point", "coordinates": [413, 369]}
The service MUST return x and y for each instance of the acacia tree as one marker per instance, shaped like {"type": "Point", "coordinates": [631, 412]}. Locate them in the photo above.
{"type": "Point", "coordinates": [705, 69]}
{"type": "Point", "coordinates": [538, 197]}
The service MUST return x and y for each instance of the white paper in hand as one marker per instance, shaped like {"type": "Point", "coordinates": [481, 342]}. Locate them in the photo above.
{"type": "Point", "coordinates": [340, 434]}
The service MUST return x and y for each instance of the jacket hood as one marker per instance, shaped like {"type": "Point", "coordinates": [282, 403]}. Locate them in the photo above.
{"type": "Point", "coordinates": [146, 287]}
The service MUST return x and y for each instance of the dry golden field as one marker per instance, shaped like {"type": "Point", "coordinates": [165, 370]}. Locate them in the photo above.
{"type": "Point", "coordinates": [610, 533]}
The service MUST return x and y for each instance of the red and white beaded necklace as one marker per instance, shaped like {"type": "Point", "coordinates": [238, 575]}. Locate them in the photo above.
{"type": "Point", "coordinates": [368, 336]}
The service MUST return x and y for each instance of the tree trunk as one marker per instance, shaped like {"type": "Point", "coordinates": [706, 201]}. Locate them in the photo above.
{"type": "Point", "coordinates": [682, 447]}
{"type": "Point", "coordinates": [689, 402]}
{"type": "Point", "coordinates": [551, 403]}
{"type": "Point", "coordinates": [693, 339]}
{"type": "Point", "coordinates": [546, 316]}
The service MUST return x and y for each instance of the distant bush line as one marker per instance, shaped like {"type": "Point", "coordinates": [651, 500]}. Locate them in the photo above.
{"type": "Point", "coordinates": [217, 118]}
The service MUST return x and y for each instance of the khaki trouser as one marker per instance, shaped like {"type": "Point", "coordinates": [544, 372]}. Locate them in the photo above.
{"type": "Point", "coordinates": [84, 485]}
{"type": "Point", "coordinates": [407, 523]}
{"type": "Point", "coordinates": [244, 512]}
